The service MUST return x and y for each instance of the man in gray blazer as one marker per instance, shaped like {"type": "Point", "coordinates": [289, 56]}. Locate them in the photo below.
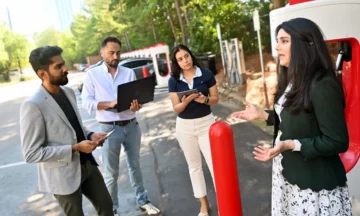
{"type": "Point", "coordinates": [52, 135]}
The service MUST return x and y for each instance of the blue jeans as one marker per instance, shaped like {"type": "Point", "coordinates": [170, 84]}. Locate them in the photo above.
{"type": "Point", "coordinates": [130, 137]}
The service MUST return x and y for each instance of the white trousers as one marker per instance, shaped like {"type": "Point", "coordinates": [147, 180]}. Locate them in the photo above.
{"type": "Point", "coordinates": [193, 137]}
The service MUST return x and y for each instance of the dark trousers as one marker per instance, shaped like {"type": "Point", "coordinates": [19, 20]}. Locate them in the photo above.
{"type": "Point", "coordinates": [93, 187]}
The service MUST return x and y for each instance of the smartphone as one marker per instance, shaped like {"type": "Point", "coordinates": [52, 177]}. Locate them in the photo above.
{"type": "Point", "coordinates": [187, 93]}
{"type": "Point", "coordinates": [106, 136]}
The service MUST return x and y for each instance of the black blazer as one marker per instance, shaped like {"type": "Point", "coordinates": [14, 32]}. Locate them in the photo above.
{"type": "Point", "coordinates": [323, 135]}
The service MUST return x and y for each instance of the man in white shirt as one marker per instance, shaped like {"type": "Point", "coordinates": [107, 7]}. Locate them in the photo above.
{"type": "Point", "coordinates": [100, 93]}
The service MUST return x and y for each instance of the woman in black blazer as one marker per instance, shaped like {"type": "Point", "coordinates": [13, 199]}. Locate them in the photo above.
{"type": "Point", "coordinates": [310, 131]}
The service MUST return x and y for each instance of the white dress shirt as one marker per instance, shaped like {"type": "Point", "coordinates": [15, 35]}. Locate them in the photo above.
{"type": "Point", "coordinates": [100, 86]}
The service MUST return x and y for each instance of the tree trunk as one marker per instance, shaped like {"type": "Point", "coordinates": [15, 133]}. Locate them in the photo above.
{"type": "Point", "coordinates": [178, 10]}
{"type": "Point", "coordinates": [278, 3]}
{"type": "Point", "coordinates": [172, 26]}
{"type": "Point", "coordinates": [7, 73]}
{"type": "Point", "coordinates": [187, 20]}
{"type": "Point", "coordinates": [153, 29]}
{"type": "Point", "coordinates": [127, 42]}
{"type": "Point", "coordinates": [187, 16]}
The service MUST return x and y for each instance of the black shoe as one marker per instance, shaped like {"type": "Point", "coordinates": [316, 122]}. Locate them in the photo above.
{"type": "Point", "coordinates": [115, 213]}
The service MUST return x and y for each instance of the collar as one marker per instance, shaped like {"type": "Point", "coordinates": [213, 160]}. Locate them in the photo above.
{"type": "Point", "coordinates": [197, 74]}
{"type": "Point", "coordinates": [106, 68]}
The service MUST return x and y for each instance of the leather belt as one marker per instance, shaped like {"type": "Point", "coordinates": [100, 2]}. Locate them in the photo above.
{"type": "Point", "coordinates": [119, 123]}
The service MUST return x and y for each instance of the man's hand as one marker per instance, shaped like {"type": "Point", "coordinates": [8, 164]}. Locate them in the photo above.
{"type": "Point", "coordinates": [98, 136]}
{"type": "Point", "coordinates": [106, 104]}
{"type": "Point", "coordinates": [113, 103]}
{"type": "Point", "coordinates": [85, 146]}
{"type": "Point", "coordinates": [135, 106]}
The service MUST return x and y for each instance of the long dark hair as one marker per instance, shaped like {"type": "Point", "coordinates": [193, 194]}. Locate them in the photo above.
{"type": "Point", "coordinates": [175, 68]}
{"type": "Point", "coordinates": [309, 57]}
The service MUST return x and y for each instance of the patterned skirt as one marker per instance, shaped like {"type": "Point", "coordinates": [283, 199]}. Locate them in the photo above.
{"type": "Point", "coordinates": [288, 199]}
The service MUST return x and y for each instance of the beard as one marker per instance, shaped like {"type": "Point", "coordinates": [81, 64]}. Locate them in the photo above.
{"type": "Point", "coordinates": [113, 63]}
{"type": "Point", "coordinates": [63, 80]}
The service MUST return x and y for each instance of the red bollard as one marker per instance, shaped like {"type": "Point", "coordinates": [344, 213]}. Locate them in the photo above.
{"type": "Point", "coordinates": [145, 72]}
{"type": "Point", "coordinates": [225, 169]}
{"type": "Point", "coordinates": [292, 2]}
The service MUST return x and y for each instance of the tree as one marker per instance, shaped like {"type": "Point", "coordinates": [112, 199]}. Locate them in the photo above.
{"type": "Point", "coordinates": [278, 4]}
{"type": "Point", "coordinates": [171, 22]}
{"type": "Point", "coordinates": [3, 59]}
{"type": "Point", "coordinates": [235, 19]}
{"type": "Point", "coordinates": [13, 50]}
{"type": "Point", "coordinates": [96, 22]}
{"type": "Point", "coordinates": [178, 11]}
{"type": "Point", "coordinates": [48, 37]}
{"type": "Point", "coordinates": [65, 40]}
{"type": "Point", "coordinates": [146, 22]}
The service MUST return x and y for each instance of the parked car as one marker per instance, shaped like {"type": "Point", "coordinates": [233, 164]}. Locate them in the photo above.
{"type": "Point", "coordinates": [137, 65]}
{"type": "Point", "coordinates": [82, 67]}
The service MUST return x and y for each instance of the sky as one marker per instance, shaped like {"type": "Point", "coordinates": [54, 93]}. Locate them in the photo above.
{"type": "Point", "coordinates": [30, 16]}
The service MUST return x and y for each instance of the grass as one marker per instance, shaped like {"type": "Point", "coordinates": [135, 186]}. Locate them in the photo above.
{"type": "Point", "coordinates": [15, 79]}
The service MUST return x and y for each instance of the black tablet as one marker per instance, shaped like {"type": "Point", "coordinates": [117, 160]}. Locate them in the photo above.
{"type": "Point", "coordinates": [187, 93]}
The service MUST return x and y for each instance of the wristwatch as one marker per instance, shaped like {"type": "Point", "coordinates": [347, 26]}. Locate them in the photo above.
{"type": "Point", "coordinates": [206, 100]}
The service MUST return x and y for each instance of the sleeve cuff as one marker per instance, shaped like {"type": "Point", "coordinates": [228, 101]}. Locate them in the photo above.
{"type": "Point", "coordinates": [297, 145]}
{"type": "Point", "coordinates": [89, 135]}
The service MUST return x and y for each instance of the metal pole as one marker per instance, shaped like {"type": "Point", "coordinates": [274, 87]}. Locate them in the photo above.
{"type": "Point", "coordinates": [8, 13]}
{"type": "Point", "coordinates": [221, 47]}
{"type": "Point", "coordinates": [257, 29]}
{"type": "Point", "coordinates": [262, 70]}
{"type": "Point", "coordinates": [260, 52]}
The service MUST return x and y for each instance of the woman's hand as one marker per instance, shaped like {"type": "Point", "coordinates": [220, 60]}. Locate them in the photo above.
{"type": "Point", "coordinates": [189, 98]}
{"type": "Point", "coordinates": [250, 113]}
{"type": "Point", "coordinates": [265, 154]}
{"type": "Point", "coordinates": [201, 98]}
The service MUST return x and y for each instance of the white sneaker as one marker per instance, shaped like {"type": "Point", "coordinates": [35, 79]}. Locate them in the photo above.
{"type": "Point", "coordinates": [206, 214]}
{"type": "Point", "coordinates": [150, 209]}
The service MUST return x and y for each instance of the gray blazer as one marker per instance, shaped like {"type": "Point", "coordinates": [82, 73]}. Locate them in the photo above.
{"type": "Point", "coordinates": [47, 138]}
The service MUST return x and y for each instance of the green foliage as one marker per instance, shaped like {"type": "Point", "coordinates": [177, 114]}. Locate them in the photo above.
{"type": "Point", "coordinates": [48, 37]}
{"type": "Point", "coordinates": [235, 19]}
{"type": "Point", "coordinates": [145, 21]}
{"type": "Point", "coordinates": [65, 40]}
{"type": "Point", "coordinates": [136, 17]}
{"type": "Point", "coordinates": [14, 50]}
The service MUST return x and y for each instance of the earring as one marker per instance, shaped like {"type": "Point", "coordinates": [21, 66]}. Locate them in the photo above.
{"type": "Point", "coordinates": [311, 43]}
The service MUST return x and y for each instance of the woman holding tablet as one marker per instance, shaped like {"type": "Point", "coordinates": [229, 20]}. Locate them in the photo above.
{"type": "Point", "coordinates": [194, 115]}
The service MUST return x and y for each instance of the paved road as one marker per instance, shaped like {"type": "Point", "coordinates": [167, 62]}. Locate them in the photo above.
{"type": "Point", "coordinates": [163, 164]}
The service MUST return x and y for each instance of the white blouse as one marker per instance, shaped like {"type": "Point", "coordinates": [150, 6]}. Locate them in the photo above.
{"type": "Point", "coordinates": [278, 108]}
